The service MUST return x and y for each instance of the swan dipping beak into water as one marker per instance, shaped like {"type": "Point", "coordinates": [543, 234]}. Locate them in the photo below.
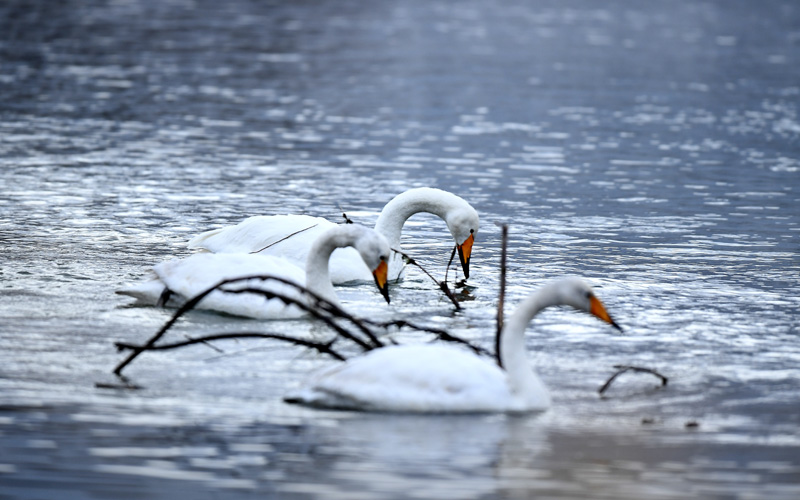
{"type": "Point", "coordinates": [291, 236]}
{"type": "Point", "coordinates": [190, 276]}
{"type": "Point", "coordinates": [440, 378]}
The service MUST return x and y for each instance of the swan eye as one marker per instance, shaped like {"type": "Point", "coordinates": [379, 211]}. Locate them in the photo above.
{"type": "Point", "coordinates": [589, 295]}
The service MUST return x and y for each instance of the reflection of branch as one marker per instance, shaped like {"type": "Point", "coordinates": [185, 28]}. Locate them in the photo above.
{"type": "Point", "coordinates": [324, 348]}
{"type": "Point", "coordinates": [624, 368]}
{"type": "Point", "coordinates": [442, 285]}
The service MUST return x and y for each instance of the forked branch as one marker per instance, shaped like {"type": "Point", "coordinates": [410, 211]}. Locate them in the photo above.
{"type": "Point", "coordinates": [321, 309]}
{"type": "Point", "coordinates": [626, 368]}
{"type": "Point", "coordinates": [324, 348]}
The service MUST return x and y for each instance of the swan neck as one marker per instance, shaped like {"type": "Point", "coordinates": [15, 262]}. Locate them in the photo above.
{"type": "Point", "coordinates": [318, 278]}
{"type": "Point", "coordinates": [395, 214]}
{"type": "Point", "coordinates": [513, 353]}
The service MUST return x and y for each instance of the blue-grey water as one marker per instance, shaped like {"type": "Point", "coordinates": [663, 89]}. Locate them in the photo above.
{"type": "Point", "coordinates": [650, 147]}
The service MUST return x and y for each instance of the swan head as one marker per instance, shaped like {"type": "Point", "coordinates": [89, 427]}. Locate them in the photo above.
{"type": "Point", "coordinates": [375, 251]}
{"type": "Point", "coordinates": [463, 224]}
{"type": "Point", "coordinates": [576, 293]}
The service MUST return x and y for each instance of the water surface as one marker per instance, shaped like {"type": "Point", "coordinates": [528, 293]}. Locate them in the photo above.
{"type": "Point", "coordinates": [652, 149]}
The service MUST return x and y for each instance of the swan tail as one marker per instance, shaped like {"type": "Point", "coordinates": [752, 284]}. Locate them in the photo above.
{"type": "Point", "coordinates": [147, 293]}
{"type": "Point", "coordinates": [199, 241]}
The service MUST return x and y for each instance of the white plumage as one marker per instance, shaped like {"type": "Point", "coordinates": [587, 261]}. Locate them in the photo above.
{"type": "Point", "coordinates": [188, 277]}
{"type": "Point", "coordinates": [291, 236]}
{"type": "Point", "coordinates": [433, 378]}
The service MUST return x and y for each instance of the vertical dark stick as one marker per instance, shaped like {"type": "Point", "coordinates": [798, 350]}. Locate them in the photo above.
{"type": "Point", "coordinates": [501, 300]}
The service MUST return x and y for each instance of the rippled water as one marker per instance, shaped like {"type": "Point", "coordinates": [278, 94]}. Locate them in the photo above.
{"type": "Point", "coordinates": [652, 149]}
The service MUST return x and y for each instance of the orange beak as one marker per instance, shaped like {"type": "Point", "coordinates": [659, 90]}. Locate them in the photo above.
{"type": "Point", "coordinates": [381, 279]}
{"type": "Point", "coordinates": [464, 252]}
{"type": "Point", "coordinates": [598, 310]}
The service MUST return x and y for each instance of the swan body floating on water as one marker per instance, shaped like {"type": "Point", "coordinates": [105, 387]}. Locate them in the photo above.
{"type": "Point", "coordinates": [188, 277]}
{"type": "Point", "coordinates": [291, 236]}
{"type": "Point", "coordinates": [438, 378]}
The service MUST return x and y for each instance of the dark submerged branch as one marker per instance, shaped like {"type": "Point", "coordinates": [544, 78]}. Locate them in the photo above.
{"type": "Point", "coordinates": [625, 368]}
{"type": "Point", "coordinates": [442, 284]}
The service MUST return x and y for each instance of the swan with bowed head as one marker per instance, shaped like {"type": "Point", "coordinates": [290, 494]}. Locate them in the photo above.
{"type": "Point", "coordinates": [182, 279]}
{"type": "Point", "coordinates": [291, 236]}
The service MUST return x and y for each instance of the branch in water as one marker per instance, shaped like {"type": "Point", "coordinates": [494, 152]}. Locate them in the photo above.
{"type": "Point", "coordinates": [323, 310]}
{"type": "Point", "coordinates": [450, 262]}
{"type": "Point", "coordinates": [442, 285]}
{"type": "Point", "coordinates": [441, 334]}
{"type": "Point", "coordinates": [501, 299]}
{"type": "Point", "coordinates": [625, 368]}
{"type": "Point", "coordinates": [347, 220]}
{"type": "Point", "coordinates": [324, 348]}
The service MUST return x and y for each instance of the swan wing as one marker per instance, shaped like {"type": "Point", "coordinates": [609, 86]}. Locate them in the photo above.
{"type": "Point", "coordinates": [269, 234]}
{"type": "Point", "coordinates": [426, 378]}
{"type": "Point", "coordinates": [192, 275]}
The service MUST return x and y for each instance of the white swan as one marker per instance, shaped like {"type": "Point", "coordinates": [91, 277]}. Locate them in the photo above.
{"type": "Point", "coordinates": [444, 378]}
{"type": "Point", "coordinates": [187, 277]}
{"type": "Point", "coordinates": [291, 236]}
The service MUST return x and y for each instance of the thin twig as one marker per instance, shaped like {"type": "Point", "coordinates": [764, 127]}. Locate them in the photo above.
{"type": "Point", "coordinates": [442, 285]}
{"type": "Point", "coordinates": [502, 298]}
{"type": "Point", "coordinates": [210, 346]}
{"type": "Point", "coordinates": [625, 368]}
{"type": "Point", "coordinates": [324, 348]}
{"type": "Point", "coordinates": [285, 238]}
{"type": "Point", "coordinates": [441, 334]}
{"type": "Point", "coordinates": [450, 262]}
{"type": "Point", "coordinates": [317, 312]}
{"type": "Point", "coordinates": [347, 220]}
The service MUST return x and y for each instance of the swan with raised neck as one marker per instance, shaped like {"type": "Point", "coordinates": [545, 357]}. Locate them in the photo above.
{"type": "Point", "coordinates": [444, 378]}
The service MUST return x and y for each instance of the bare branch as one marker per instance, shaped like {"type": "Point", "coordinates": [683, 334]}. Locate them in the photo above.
{"type": "Point", "coordinates": [450, 262]}
{"type": "Point", "coordinates": [324, 348]}
{"type": "Point", "coordinates": [625, 368]}
{"type": "Point", "coordinates": [323, 310]}
{"type": "Point", "coordinates": [442, 285]}
{"type": "Point", "coordinates": [502, 298]}
{"type": "Point", "coordinates": [440, 334]}
{"type": "Point", "coordinates": [347, 220]}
